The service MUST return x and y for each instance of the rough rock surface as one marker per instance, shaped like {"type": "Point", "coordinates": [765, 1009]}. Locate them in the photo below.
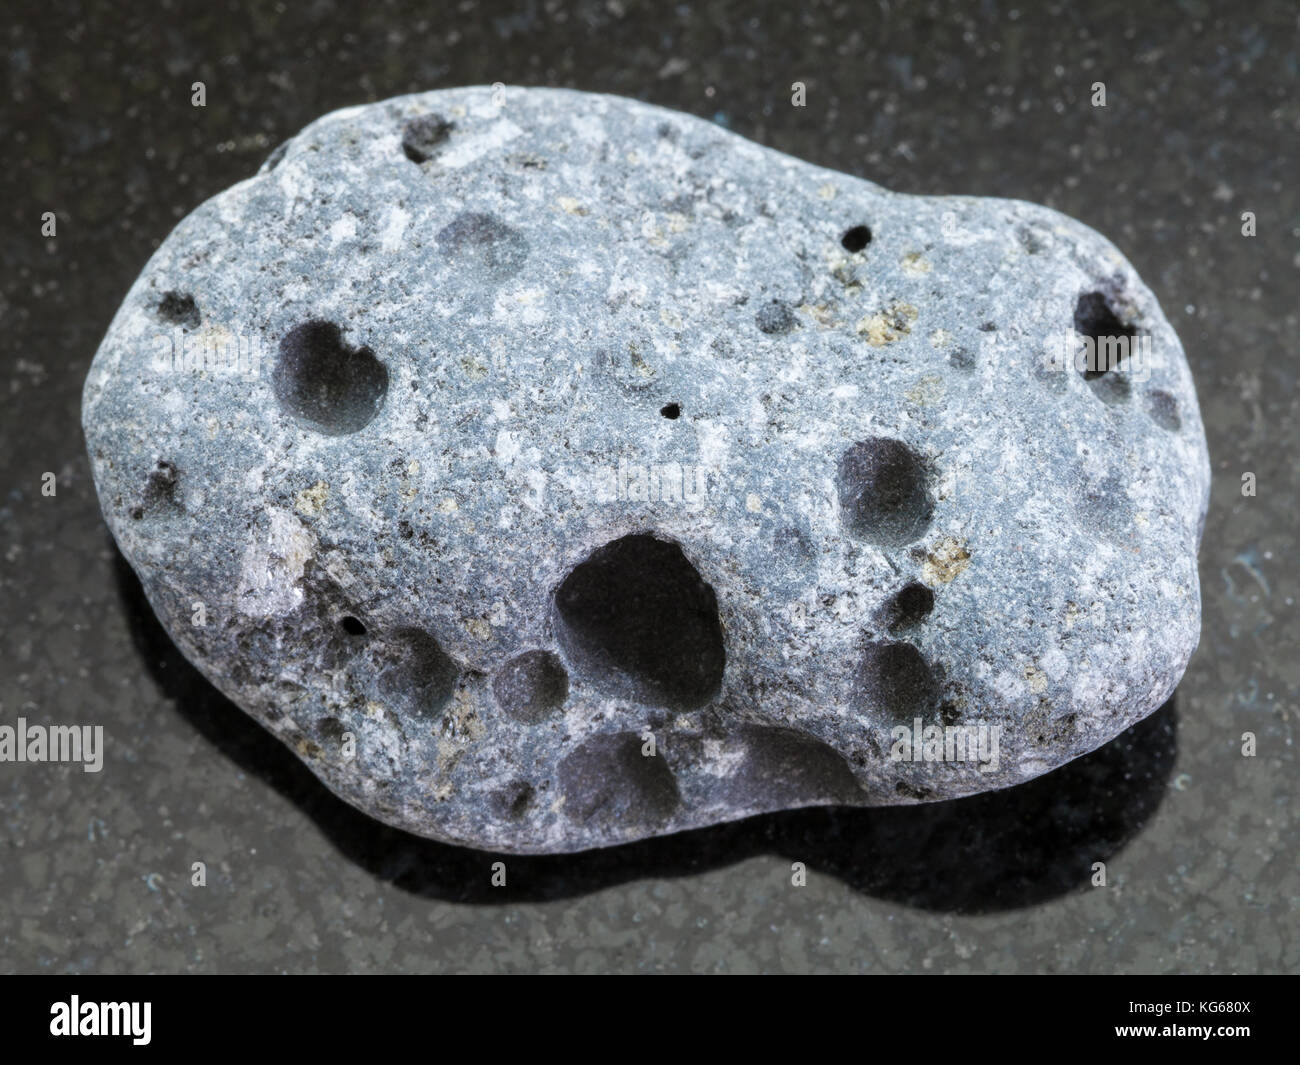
{"type": "Point", "coordinates": [480, 436]}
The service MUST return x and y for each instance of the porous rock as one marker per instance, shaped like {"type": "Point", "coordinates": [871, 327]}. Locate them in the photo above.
{"type": "Point", "coordinates": [555, 470]}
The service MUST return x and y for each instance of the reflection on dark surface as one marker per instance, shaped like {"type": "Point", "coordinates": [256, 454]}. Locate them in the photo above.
{"type": "Point", "coordinates": [996, 851]}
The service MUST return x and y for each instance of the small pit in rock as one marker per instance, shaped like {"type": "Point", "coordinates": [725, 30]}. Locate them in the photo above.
{"type": "Point", "coordinates": [894, 681]}
{"type": "Point", "coordinates": [1163, 409]}
{"type": "Point", "coordinates": [531, 686]}
{"type": "Point", "coordinates": [484, 245]}
{"type": "Point", "coordinates": [325, 384]}
{"type": "Point", "coordinates": [1110, 341]}
{"type": "Point", "coordinates": [781, 765]}
{"type": "Point", "coordinates": [909, 607]}
{"type": "Point", "coordinates": [161, 485]}
{"type": "Point", "coordinates": [422, 136]}
{"type": "Point", "coordinates": [884, 492]}
{"type": "Point", "coordinates": [179, 308]}
{"type": "Point", "coordinates": [418, 676]}
{"type": "Point", "coordinates": [1094, 318]}
{"type": "Point", "coordinates": [609, 784]}
{"type": "Point", "coordinates": [856, 238]}
{"type": "Point", "coordinates": [639, 621]}
{"type": "Point", "coordinates": [913, 791]}
{"type": "Point", "coordinates": [775, 318]}
{"type": "Point", "coordinates": [513, 801]}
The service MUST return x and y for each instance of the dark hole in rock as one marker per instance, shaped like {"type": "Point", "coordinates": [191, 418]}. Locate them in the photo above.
{"type": "Point", "coordinates": [332, 731]}
{"type": "Point", "coordinates": [910, 606]}
{"type": "Point", "coordinates": [609, 783]}
{"type": "Point", "coordinates": [316, 630]}
{"type": "Point", "coordinates": [420, 677]}
{"type": "Point", "coordinates": [179, 308]}
{"type": "Point", "coordinates": [787, 767]}
{"type": "Point", "coordinates": [482, 241]}
{"type": "Point", "coordinates": [857, 238]}
{"type": "Point", "coordinates": [671, 411]}
{"type": "Point", "coordinates": [1095, 319]}
{"type": "Point", "coordinates": [919, 792]}
{"type": "Point", "coordinates": [523, 799]}
{"type": "Point", "coordinates": [894, 680]}
{"type": "Point", "coordinates": [514, 799]}
{"type": "Point", "coordinates": [159, 489]}
{"type": "Point", "coordinates": [1112, 388]}
{"type": "Point", "coordinates": [1031, 239]}
{"type": "Point", "coordinates": [421, 136]}
{"type": "Point", "coordinates": [962, 359]}
{"type": "Point", "coordinates": [640, 622]}
{"type": "Point", "coordinates": [775, 317]}
{"type": "Point", "coordinates": [884, 492]}
{"type": "Point", "coordinates": [325, 384]}
{"type": "Point", "coordinates": [531, 686]}
{"type": "Point", "coordinates": [1163, 409]}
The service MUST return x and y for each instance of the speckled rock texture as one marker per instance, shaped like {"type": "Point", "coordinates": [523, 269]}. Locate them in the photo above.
{"type": "Point", "coordinates": [551, 470]}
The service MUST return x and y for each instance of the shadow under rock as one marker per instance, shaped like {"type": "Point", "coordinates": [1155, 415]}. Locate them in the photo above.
{"type": "Point", "coordinates": [992, 852]}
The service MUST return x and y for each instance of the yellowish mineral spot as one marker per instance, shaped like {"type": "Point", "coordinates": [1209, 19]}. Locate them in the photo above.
{"type": "Point", "coordinates": [311, 501]}
{"type": "Point", "coordinates": [819, 313]}
{"type": "Point", "coordinates": [1037, 679]}
{"type": "Point", "coordinates": [927, 391]}
{"type": "Point", "coordinates": [889, 324]}
{"type": "Point", "coordinates": [915, 265]}
{"type": "Point", "coordinates": [945, 561]}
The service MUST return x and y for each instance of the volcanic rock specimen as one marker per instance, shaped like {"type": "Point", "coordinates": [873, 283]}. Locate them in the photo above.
{"type": "Point", "coordinates": [554, 470]}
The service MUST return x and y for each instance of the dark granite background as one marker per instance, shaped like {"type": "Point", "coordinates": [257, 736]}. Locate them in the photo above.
{"type": "Point", "coordinates": [992, 98]}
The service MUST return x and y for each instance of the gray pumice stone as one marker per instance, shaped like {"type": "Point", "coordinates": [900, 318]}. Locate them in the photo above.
{"type": "Point", "coordinates": [550, 470]}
